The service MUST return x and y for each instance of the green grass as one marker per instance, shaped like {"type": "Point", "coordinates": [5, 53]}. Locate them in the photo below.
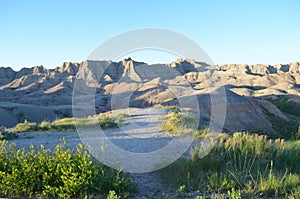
{"type": "Point", "coordinates": [105, 121]}
{"type": "Point", "coordinates": [42, 173]}
{"type": "Point", "coordinates": [240, 166]}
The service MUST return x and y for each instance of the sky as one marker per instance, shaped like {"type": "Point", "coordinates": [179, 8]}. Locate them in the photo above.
{"type": "Point", "coordinates": [233, 31]}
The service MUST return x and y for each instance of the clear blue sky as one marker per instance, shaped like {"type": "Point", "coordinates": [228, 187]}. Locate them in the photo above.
{"type": "Point", "coordinates": [232, 31]}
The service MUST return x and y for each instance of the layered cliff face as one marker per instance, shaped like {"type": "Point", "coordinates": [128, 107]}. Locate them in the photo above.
{"type": "Point", "coordinates": [49, 91]}
{"type": "Point", "coordinates": [260, 69]}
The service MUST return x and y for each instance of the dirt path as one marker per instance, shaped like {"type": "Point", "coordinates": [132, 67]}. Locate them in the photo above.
{"type": "Point", "coordinates": [141, 135]}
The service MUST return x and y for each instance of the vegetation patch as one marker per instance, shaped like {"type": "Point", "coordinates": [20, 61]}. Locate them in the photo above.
{"type": "Point", "coordinates": [168, 107]}
{"type": "Point", "coordinates": [42, 173]}
{"type": "Point", "coordinates": [284, 129]}
{"type": "Point", "coordinates": [26, 126]}
{"type": "Point", "coordinates": [65, 124]}
{"type": "Point", "coordinates": [179, 123]}
{"type": "Point", "coordinates": [5, 135]}
{"type": "Point", "coordinates": [290, 107]}
{"type": "Point", "coordinates": [240, 166]}
{"type": "Point", "coordinates": [105, 121]}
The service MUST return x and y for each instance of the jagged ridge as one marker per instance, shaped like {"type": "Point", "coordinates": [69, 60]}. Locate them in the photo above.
{"type": "Point", "coordinates": [52, 89]}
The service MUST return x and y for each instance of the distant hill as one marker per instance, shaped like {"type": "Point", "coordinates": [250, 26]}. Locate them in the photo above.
{"type": "Point", "coordinates": [40, 94]}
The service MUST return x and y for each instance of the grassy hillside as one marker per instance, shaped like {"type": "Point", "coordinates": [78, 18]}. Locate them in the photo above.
{"type": "Point", "coordinates": [286, 105]}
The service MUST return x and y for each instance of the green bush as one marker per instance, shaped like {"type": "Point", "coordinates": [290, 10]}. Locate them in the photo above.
{"type": "Point", "coordinates": [38, 172]}
{"type": "Point", "coordinates": [107, 122]}
{"type": "Point", "coordinates": [25, 127]}
{"type": "Point", "coordinates": [178, 123]}
{"type": "Point", "coordinates": [121, 116]}
{"type": "Point", "coordinates": [65, 124]}
{"type": "Point", "coordinates": [44, 126]}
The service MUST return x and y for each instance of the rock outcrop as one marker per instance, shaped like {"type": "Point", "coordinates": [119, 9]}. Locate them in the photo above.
{"type": "Point", "coordinates": [247, 86]}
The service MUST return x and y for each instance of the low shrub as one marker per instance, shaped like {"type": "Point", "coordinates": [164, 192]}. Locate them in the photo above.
{"type": "Point", "coordinates": [65, 124]}
{"type": "Point", "coordinates": [42, 173]}
{"type": "Point", "coordinates": [107, 122]}
{"type": "Point", "coordinates": [44, 126]}
{"type": "Point", "coordinates": [178, 123]}
{"type": "Point", "coordinates": [26, 126]}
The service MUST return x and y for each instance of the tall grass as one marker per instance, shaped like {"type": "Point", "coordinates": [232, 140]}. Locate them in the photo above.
{"type": "Point", "coordinates": [252, 165]}
{"type": "Point", "coordinates": [42, 173]}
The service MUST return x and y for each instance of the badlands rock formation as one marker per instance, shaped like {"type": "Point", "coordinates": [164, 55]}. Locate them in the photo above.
{"type": "Point", "coordinates": [40, 94]}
